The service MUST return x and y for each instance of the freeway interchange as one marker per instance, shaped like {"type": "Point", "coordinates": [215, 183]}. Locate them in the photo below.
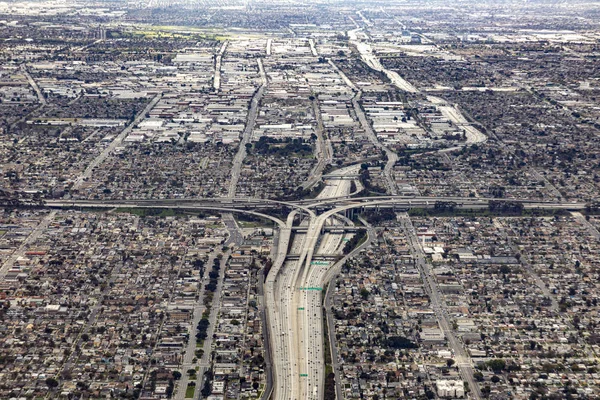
{"type": "Point", "coordinates": [310, 239]}
{"type": "Point", "coordinates": [293, 291]}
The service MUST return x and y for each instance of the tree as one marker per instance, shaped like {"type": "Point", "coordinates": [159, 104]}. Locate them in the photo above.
{"type": "Point", "coordinates": [51, 383]}
{"type": "Point", "coordinates": [495, 379]}
{"type": "Point", "coordinates": [400, 342]}
{"type": "Point", "coordinates": [364, 293]}
{"type": "Point", "coordinates": [497, 364]}
{"type": "Point", "coordinates": [449, 362]}
{"type": "Point", "coordinates": [176, 375]}
{"type": "Point", "coordinates": [170, 388]}
{"type": "Point", "coordinates": [485, 391]}
{"type": "Point", "coordinates": [206, 390]}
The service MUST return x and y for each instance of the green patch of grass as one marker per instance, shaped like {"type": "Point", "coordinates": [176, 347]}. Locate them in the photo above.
{"type": "Point", "coordinates": [326, 348]}
{"type": "Point", "coordinates": [328, 369]}
{"type": "Point", "coordinates": [189, 392]}
{"type": "Point", "coordinates": [244, 224]}
{"type": "Point", "coordinates": [252, 221]}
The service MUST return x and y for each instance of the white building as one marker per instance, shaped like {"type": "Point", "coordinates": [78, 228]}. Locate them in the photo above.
{"type": "Point", "coordinates": [452, 389]}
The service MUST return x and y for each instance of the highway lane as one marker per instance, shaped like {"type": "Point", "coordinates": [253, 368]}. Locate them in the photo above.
{"type": "Point", "coordinates": [247, 134]}
{"type": "Point", "coordinates": [233, 204]}
{"type": "Point", "coordinates": [105, 205]}
{"type": "Point", "coordinates": [338, 188]}
{"type": "Point", "coordinates": [366, 53]}
{"type": "Point", "coordinates": [424, 201]}
{"type": "Point", "coordinates": [218, 61]}
{"type": "Point", "coordinates": [296, 318]}
{"type": "Point", "coordinates": [313, 49]}
{"type": "Point", "coordinates": [452, 113]}
{"type": "Point", "coordinates": [323, 149]}
{"type": "Point", "coordinates": [269, 45]}
{"type": "Point", "coordinates": [314, 277]}
{"type": "Point", "coordinates": [276, 291]}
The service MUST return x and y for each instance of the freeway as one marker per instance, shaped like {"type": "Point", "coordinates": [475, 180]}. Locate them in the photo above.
{"type": "Point", "coordinates": [294, 295]}
{"type": "Point", "coordinates": [218, 61]}
{"type": "Point", "coordinates": [150, 205]}
{"type": "Point", "coordinates": [241, 204]}
{"type": "Point", "coordinates": [276, 313]}
{"type": "Point", "coordinates": [323, 149]}
{"type": "Point", "coordinates": [392, 157]}
{"type": "Point", "coordinates": [429, 202]}
{"type": "Point", "coordinates": [247, 134]}
{"type": "Point", "coordinates": [451, 112]}
{"type": "Point", "coordinates": [313, 49]}
{"type": "Point", "coordinates": [336, 188]}
{"type": "Point", "coordinates": [369, 57]}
